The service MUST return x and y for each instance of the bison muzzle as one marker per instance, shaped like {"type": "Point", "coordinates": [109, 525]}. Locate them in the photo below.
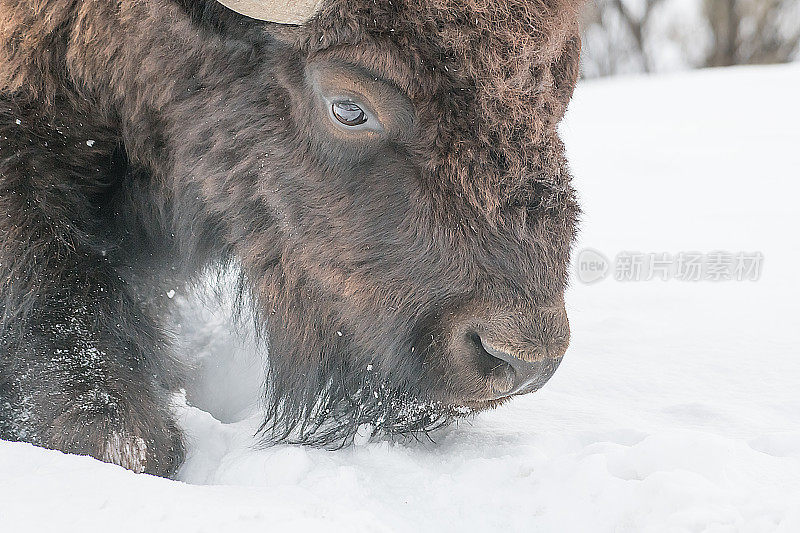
{"type": "Point", "coordinates": [386, 175]}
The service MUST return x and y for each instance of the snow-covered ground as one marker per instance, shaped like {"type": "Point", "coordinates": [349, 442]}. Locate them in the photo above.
{"type": "Point", "coordinates": [676, 409]}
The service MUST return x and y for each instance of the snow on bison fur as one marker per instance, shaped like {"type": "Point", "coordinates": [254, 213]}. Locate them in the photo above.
{"type": "Point", "coordinates": [386, 174]}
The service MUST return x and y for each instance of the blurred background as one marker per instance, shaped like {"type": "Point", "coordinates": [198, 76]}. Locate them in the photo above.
{"type": "Point", "coordinates": [647, 36]}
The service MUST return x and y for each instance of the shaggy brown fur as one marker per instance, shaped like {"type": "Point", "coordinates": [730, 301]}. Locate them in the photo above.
{"type": "Point", "coordinates": [494, 77]}
{"type": "Point", "coordinates": [401, 275]}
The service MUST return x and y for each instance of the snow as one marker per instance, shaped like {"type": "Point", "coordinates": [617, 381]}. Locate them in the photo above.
{"type": "Point", "coordinates": [675, 409]}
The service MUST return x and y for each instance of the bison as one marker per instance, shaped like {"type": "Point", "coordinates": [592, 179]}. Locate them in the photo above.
{"type": "Point", "coordinates": [386, 175]}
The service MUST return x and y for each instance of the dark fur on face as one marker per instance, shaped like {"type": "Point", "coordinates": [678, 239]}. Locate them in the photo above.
{"type": "Point", "coordinates": [146, 142]}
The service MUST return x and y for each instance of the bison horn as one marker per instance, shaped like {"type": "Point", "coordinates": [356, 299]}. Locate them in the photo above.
{"type": "Point", "coordinates": [282, 12]}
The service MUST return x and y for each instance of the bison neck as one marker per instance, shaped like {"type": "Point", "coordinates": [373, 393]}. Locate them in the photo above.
{"type": "Point", "coordinates": [201, 110]}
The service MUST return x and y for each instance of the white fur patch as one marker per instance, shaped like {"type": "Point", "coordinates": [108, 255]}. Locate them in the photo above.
{"type": "Point", "coordinates": [127, 451]}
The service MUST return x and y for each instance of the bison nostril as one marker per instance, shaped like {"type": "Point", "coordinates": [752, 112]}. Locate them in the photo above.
{"type": "Point", "coordinates": [522, 375]}
{"type": "Point", "coordinates": [499, 373]}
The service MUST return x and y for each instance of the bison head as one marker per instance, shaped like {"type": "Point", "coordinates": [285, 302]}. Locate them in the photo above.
{"type": "Point", "coordinates": [408, 229]}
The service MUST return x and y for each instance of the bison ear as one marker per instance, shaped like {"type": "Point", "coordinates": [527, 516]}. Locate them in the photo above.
{"type": "Point", "coordinates": [280, 11]}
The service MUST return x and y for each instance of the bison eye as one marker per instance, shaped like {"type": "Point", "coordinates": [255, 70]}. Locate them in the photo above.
{"type": "Point", "coordinates": [348, 113]}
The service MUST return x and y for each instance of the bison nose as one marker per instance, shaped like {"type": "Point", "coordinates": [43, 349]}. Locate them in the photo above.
{"type": "Point", "coordinates": [514, 352]}
{"type": "Point", "coordinates": [522, 375]}
{"type": "Point", "coordinates": [511, 351]}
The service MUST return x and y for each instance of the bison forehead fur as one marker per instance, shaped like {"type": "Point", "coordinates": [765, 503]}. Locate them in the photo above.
{"type": "Point", "coordinates": [491, 79]}
{"type": "Point", "coordinates": [405, 264]}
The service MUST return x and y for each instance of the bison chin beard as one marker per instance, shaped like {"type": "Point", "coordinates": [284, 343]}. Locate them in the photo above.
{"type": "Point", "coordinates": [332, 403]}
{"type": "Point", "coordinates": [319, 394]}
{"type": "Point", "coordinates": [347, 405]}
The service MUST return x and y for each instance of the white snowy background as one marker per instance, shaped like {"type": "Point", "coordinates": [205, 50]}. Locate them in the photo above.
{"type": "Point", "coordinates": [676, 408]}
